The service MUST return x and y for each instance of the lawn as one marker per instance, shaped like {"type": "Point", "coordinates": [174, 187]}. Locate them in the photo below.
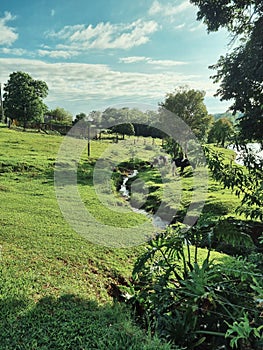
{"type": "Point", "coordinates": [55, 282]}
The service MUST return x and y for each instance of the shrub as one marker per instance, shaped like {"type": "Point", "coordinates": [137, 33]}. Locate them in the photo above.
{"type": "Point", "coordinates": [188, 301]}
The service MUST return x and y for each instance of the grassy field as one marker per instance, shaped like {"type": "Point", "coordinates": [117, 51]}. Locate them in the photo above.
{"type": "Point", "coordinates": [176, 193]}
{"type": "Point", "coordinates": [54, 283]}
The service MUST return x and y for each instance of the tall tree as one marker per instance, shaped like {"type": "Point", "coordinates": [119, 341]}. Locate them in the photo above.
{"type": "Point", "coordinates": [114, 116]}
{"type": "Point", "coordinates": [124, 129]}
{"type": "Point", "coordinates": [240, 72]}
{"type": "Point", "coordinates": [221, 131]}
{"type": "Point", "coordinates": [23, 98]}
{"type": "Point", "coordinates": [188, 105]}
{"type": "Point", "coordinates": [1, 105]}
{"type": "Point", "coordinates": [80, 116]}
{"type": "Point", "coordinates": [61, 116]}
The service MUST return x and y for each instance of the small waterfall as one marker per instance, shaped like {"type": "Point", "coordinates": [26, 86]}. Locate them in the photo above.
{"type": "Point", "coordinates": [157, 220]}
{"type": "Point", "coordinates": [124, 190]}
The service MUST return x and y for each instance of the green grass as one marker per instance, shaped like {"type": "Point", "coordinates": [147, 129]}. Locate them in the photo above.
{"type": "Point", "coordinates": [54, 283]}
{"type": "Point", "coordinates": [177, 192]}
{"type": "Point", "coordinates": [34, 233]}
{"type": "Point", "coordinates": [69, 323]}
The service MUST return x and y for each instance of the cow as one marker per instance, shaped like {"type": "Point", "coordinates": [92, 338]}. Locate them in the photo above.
{"type": "Point", "coordinates": [179, 163]}
{"type": "Point", "coordinates": [155, 162]}
{"type": "Point", "coordinates": [163, 160]}
{"type": "Point", "coordinates": [159, 161]}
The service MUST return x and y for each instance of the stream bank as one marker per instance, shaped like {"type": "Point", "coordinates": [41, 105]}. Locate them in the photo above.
{"type": "Point", "coordinates": [144, 198]}
{"type": "Point", "coordinates": [125, 190]}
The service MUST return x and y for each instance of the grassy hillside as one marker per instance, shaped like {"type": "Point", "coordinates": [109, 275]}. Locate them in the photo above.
{"type": "Point", "coordinates": [54, 283]}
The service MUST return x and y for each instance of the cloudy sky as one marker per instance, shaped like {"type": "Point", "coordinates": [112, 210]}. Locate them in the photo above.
{"type": "Point", "coordinates": [95, 54]}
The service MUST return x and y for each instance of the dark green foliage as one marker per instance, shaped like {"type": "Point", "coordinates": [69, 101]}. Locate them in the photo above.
{"type": "Point", "coordinates": [80, 117]}
{"type": "Point", "coordinates": [221, 131]}
{"type": "Point", "coordinates": [124, 129]}
{"type": "Point", "coordinates": [23, 98]}
{"type": "Point", "coordinates": [236, 16]}
{"type": "Point", "coordinates": [188, 104]}
{"type": "Point", "coordinates": [245, 182]}
{"type": "Point", "coordinates": [172, 147]}
{"type": "Point", "coordinates": [234, 237]}
{"type": "Point", "coordinates": [127, 121]}
{"type": "Point", "coordinates": [240, 331]}
{"type": "Point", "coordinates": [240, 72]}
{"type": "Point", "coordinates": [189, 302]}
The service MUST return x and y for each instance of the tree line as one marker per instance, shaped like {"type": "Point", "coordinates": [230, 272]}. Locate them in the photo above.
{"type": "Point", "coordinates": [23, 105]}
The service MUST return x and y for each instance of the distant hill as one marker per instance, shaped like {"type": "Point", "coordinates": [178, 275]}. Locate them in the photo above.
{"type": "Point", "coordinates": [228, 115]}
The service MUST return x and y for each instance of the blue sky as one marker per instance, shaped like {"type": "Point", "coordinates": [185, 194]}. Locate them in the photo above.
{"type": "Point", "coordinates": [95, 54]}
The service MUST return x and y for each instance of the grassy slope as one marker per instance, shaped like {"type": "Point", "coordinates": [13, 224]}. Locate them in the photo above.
{"type": "Point", "coordinates": [177, 192]}
{"type": "Point", "coordinates": [30, 217]}
{"type": "Point", "coordinates": [53, 287]}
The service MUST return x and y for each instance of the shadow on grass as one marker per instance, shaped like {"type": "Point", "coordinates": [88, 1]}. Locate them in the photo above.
{"type": "Point", "coordinates": [67, 176]}
{"type": "Point", "coordinates": [70, 323]}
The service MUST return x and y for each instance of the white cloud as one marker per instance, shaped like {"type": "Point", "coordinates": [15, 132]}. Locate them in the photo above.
{"type": "Point", "coordinates": [148, 60]}
{"type": "Point", "coordinates": [8, 34]}
{"type": "Point", "coordinates": [106, 35]}
{"type": "Point", "coordinates": [66, 32]}
{"type": "Point", "coordinates": [197, 27]}
{"type": "Point", "coordinates": [180, 26]}
{"type": "Point", "coordinates": [16, 52]}
{"type": "Point", "coordinates": [181, 15]}
{"type": "Point", "coordinates": [81, 33]}
{"type": "Point", "coordinates": [82, 87]}
{"type": "Point", "coordinates": [133, 59]}
{"type": "Point", "coordinates": [168, 9]}
{"type": "Point", "coordinates": [57, 53]}
{"type": "Point", "coordinates": [155, 8]}
{"type": "Point", "coordinates": [166, 63]}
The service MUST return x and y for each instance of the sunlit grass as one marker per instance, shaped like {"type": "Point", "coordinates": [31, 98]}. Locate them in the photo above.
{"type": "Point", "coordinates": [43, 259]}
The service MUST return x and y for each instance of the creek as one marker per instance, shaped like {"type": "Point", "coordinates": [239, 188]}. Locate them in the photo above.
{"type": "Point", "coordinates": [157, 221]}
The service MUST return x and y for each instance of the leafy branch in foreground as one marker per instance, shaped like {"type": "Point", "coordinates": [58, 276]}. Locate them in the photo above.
{"type": "Point", "coordinates": [240, 331]}
{"type": "Point", "coordinates": [239, 72]}
{"type": "Point", "coordinates": [189, 300]}
{"type": "Point", "coordinates": [246, 181]}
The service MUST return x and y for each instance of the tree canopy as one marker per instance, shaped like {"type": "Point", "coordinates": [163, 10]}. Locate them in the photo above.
{"type": "Point", "coordinates": [221, 131]}
{"type": "Point", "coordinates": [124, 129]}
{"type": "Point", "coordinates": [23, 98]}
{"type": "Point", "coordinates": [240, 72]}
{"type": "Point", "coordinates": [188, 104]}
{"type": "Point", "coordinates": [114, 116]}
{"type": "Point", "coordinates": [61, 116]}
{"type": "Point", "coordinates": [80, 116]}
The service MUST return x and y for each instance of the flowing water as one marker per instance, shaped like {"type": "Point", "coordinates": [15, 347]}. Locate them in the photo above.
{"type": "Point", "coordinates": [158, 222]}
{"type": "Point", "coordinates": [124, 190]}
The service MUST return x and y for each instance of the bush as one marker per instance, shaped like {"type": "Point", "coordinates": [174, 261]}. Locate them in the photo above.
{"type": "Point", "coordinates": [191, 302]}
